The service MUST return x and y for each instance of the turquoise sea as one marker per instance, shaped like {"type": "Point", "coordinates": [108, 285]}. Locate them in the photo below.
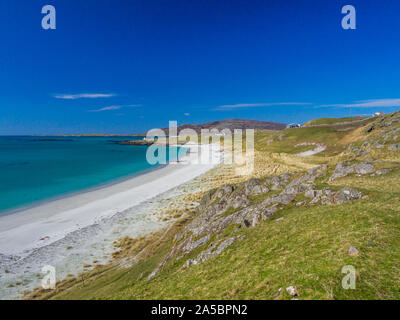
{"type": "Point", "coordinates": [34, 169]}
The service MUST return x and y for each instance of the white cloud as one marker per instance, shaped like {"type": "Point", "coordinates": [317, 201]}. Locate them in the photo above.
{"type": "Point", "coordinates": [106, 109]}
{"type": "Point", "coordinates": [253, 105]}
{"type": "Point", "coordinates": [373, 103]}
{"type": "Point", "coordinates": [187, 114]}
{"type": "Point", "coordinates": [115, 107]}
{"type": "Point", "coordinates": [84, 95]}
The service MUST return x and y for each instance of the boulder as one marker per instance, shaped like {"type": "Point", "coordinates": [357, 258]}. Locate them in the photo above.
{"type": "Point", "coordinates": [269, 212]}
{"type": "Point", "coordinates": [353, 251]}
{"type": "Point", "coordinates": [239, 202]}
{"type": "Point", "coordinates": [310, 194]}
{"type": "Point", "coordinates": [292, 290]}
{"type": "Point", "coordinates": [254, 187]}
{"type": "Point", "coordinates": [364, 168]}
{"type": "Point", "coordinates": [343, 169]}
{"type": "Point", "coordinates": [295, 189]}
{"type": "Point", "coordinates": [346, 195]}
{"type": "Point", "coordinates": [251, 185]}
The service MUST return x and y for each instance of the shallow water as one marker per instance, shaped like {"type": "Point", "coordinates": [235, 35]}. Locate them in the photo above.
{"type": "Point", "coordinates": [34, 169]}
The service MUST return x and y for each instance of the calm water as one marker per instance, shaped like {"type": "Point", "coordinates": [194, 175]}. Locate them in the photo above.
{"type": "Point", "coordinates": [34, 169]}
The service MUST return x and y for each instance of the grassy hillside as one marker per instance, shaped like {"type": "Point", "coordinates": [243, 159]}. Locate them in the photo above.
{"type": "Point", "coordinates": [306, 249]}
{"type": "Point", "coordinates": [332, 121]}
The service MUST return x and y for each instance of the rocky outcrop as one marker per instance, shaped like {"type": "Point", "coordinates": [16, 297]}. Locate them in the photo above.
{"type": "Point", "coordinates": [344, 169]}
{"type": "Point", "coordinates": [231, 204]}
{"type": "Point", "coordinates": [210, 252]}
{"type": "Point", "coordinates": [346, 195]}
{"type": "Point", "coordinates": [254, 187]}
{"type": "Point", "coordinates": [247, 204]}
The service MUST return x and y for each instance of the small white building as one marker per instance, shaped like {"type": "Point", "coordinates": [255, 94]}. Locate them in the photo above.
{"type": "Point", "coordinates": [378, 114]}
{"type": "Point", "coordinates": [293, 125]}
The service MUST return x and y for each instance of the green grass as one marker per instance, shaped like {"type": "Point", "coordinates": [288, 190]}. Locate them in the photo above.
{"type": "Point", "coordinates": [307, 249]}
{"type": "Point", "coordinates": [291, 137]}
{"type": "Point", "coordinates": [229, 211]}
{"type": "Point", "coordinates": [324, 121]}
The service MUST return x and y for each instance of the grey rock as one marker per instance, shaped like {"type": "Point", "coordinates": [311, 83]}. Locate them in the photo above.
{"type": "Point", "coordinates": [283, 198]}
{"type": "Point", "coordinates": [251, 185]}
{"type": "Point", "coordinates": [259, 190]}
{"type": "Point", "coordinates": [210, 252]}
{"type": "Point", "coordinates": [278, 182]}
{"type": "Point", "coordinates": [286, 198]}
{"type": "Point", "coordinates": [327, 196]}
{"type": "Point", "coordinates": [353, 251]}
{"type": "Point", "coordinates": [269, 212]}
{"type": "Point", "coordinates": [364, 168]}
{"type": "Point", "coordinates": [343, 169]}
{"type": "Point", "coordinates": [383, 171]}
{"type": "Point", "coordinates": [190, 246]}
{"type": "Point", "coordinates": [346, 195]}
{"type": "Point", "coordinates": [310, 194]}
{"type": "Point", "coordinates": [239, 202]}
{"type": "Point", "coordinates": [315, 200]}
{"type": "Point", "coordinates": [295, 189]}
{"type": "Point", "coordinates": [292, 290]}
{"type": "Point", "coordinates": [277, 294]}
{"type": "Point", "coordinates": [394, 147]}
{"type": "Point", "coordinates": [256, 220]}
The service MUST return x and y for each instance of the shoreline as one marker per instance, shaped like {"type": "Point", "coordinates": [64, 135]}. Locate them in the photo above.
{"type": "Point", "coordinates": [26, 230]}
{"type": "Point", "coordinates": [110, 183]}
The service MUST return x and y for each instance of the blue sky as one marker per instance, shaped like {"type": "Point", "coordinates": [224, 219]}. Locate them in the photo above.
{"type": "Point", "coordinates": [127, 66]}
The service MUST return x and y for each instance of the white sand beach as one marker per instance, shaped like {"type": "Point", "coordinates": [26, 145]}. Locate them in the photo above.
{"type": "Point", "coordinates": [23, 231]}
{"type": "Point", "coordinates": [77, 230]}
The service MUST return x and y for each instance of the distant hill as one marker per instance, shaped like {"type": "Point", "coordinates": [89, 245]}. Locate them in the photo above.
{"type": "Point", "coordinates": [230, 124]}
